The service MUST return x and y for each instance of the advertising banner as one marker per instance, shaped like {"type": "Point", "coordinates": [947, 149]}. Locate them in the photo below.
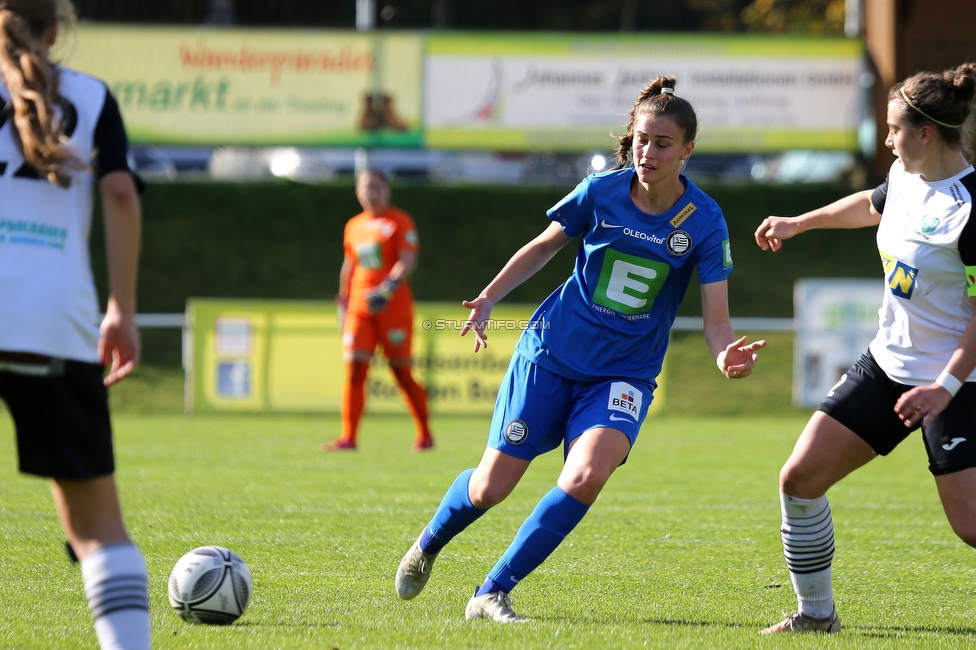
{"type": "Point", "coordinates": [212, 86]}
{"type": "Point", "coordinates": [836, 318]}
{"type": "Point", "coordinates": [286, 356]}
{"type": "Point", "coordinates": [574, 92]}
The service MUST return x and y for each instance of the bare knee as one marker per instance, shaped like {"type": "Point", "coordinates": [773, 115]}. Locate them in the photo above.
{"type": "Point", "coordinates": [485, 494]}
{"type": "Point", "coordinates": [792, 480]}
{"type": "Point", "coordinates": [584, 485]}
{"type": "Point", "coordinates": [799, 481]}
{"type": "Point", "coordinates": [965, 528]}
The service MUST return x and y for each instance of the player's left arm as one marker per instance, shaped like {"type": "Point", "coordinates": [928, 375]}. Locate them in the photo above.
{"type": "Point", "coordinates": [734, 357]}
{"type": "Point", "coordinates": [118, 344]}
{"type": "Point", "coordinates": [380, 295]}
{"type": "Point", "coordinates": [923, 403]}
{"type": "Point", "coordinates": [404, 266]}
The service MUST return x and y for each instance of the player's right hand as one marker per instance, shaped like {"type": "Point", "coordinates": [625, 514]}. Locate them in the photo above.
{"type": "Point", "coordinates": [477, 320]}
{"type": "Point", "coordinates": [118, 345]}
{"type": "Point", "coordinates": [773, 230]}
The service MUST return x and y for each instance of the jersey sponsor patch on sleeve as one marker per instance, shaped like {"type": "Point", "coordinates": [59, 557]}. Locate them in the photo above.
{"type": "Point", "coordinates": [726, 253]}
{"type": "Point", "coordinates": [971, 280]}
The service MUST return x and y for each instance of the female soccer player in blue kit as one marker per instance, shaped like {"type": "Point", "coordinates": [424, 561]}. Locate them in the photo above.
{"type": "Point", "coordinates": [584, 369]}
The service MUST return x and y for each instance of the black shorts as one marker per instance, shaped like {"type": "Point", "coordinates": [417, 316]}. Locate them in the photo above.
{"type": "Point", "coordinates": [62, 419]}
{"type": "Point", "coordinates": [864, 402]}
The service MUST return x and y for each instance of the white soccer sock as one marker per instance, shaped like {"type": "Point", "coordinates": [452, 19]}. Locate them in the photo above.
{"type": "Point", "coordinates": [115, 584]}
{"type": "Point", "coordinates": [808, 543]}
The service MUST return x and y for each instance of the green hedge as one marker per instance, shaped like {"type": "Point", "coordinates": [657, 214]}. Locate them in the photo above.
{"type": "Point", "coordinates": [284, 240]}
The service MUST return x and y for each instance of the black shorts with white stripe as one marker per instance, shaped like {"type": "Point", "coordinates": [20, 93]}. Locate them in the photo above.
{"type": "Point", "coordinates": [60, 411]}
{"type": "Point", "coordinates": [864, 402]}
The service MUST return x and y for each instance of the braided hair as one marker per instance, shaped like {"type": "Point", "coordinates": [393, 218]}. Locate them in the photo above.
{"type": "Point", "coordinates": [32, 81]}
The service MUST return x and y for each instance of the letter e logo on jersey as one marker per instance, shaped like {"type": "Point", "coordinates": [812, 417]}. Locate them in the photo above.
{"type": "Point", "coordinates": [629, 284]}
{"type": "Point", "coordinates": [625, 398]}
{"type": "Point", "coordinates": [516, 432]}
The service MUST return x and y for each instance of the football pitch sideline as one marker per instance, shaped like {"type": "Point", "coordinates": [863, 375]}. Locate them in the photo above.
{"type": "Point", "coordinates": [682, 550]}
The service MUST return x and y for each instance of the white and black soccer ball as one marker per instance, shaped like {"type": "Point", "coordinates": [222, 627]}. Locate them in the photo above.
{"type": "Point", "coordinates": [210, 584]}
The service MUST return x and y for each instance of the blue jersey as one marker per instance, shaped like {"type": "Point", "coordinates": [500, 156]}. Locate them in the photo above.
{"type": "Point", "coordinates": [613, 316]}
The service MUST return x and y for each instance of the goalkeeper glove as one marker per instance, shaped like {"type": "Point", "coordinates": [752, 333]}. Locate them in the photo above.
{"type": "Point", "coordinates": [379, 296]}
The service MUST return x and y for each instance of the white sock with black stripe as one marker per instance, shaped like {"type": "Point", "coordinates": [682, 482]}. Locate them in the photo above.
{"type": "Point", "coordinates": [808, 543]}
{"type": "Point", "coordinates": [115, 584]}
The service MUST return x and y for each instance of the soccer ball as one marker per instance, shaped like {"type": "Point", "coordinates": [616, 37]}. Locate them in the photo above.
{"type": "Point", "coordinates": [210, 584]}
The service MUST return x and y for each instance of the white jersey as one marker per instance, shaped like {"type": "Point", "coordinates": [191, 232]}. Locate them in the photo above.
{"type": "Point", "coordinates": [927, 242]}
{"type": "Point", "coordinates": [48, 303]}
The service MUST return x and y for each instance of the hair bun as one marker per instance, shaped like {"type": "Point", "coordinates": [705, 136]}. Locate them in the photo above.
{"type": "Point", "coordinates": [963, 81]}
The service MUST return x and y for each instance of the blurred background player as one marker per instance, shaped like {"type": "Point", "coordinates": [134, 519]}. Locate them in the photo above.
{"type": "Point", "coordinates": [919, 369]}
{"type": "Point", "coordinates": [59, 132]}
{"type": "Point", "coordinates": [376, 307]}
{"type": "Point", "coordinates": [645, 229]}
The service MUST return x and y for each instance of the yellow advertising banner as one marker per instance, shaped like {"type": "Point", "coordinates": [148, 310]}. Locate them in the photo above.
{"type": "Point", "coordinates": [212, 86]}
{"type": "Point", "coordinates": [286, 356]}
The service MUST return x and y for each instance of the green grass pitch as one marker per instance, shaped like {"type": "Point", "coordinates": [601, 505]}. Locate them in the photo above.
{"type": "Point", "coordinates": [681, 551]}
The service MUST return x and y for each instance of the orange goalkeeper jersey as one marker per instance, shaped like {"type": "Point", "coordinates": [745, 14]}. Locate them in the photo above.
{"type": "Point", "coordinates": [374, 244]}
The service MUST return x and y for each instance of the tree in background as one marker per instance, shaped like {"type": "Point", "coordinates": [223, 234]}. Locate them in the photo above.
{"type": "Point", "coordinates": [793, 16]}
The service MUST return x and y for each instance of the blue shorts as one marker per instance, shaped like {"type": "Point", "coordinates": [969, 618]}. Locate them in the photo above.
{"type": "Point", "coordinates": [537, 409]}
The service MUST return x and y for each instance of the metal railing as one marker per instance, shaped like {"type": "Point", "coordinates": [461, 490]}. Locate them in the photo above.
{"type": "Point", "coordinates": [681, 323]}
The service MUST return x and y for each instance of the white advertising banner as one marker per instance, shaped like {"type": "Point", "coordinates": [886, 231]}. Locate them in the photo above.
{"type": "Point", "coordinates": [563, 92]}
{"type": "Point", "coordinates": [835, 318]}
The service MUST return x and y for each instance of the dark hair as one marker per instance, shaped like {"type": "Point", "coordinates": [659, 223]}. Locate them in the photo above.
{"type": "Point", "coordinates": [374, 171]}
{"type": "Point", "coordinates": [33, 84]}
{"type": "Point", "coordinates": [654, 100]}
{"type": "Point", "coordinates": [942, 100]}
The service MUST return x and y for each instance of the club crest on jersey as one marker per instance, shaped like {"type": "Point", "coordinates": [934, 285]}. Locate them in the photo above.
{"type": "Point", "coordinates": [900, 276]}
{"type": "Point", "coordinates": [679, 243]}
{"type": "Point", "coordinates": [929, 223]}
{"type": "Point", "coordinates": [625, 399]}
{"type": "Point", "coordinates": [396, 336]}
{"type": "Point", "coordinates": [516, 431]}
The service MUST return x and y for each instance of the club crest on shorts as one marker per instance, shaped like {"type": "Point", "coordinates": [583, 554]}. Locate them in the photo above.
{"type": "Point", "coordinates": [679, 242]}
{"type": "Point", "coordinates": [396, 336]}
{"type": "Point", "coordinates": [516, 432]}
{"type": "Point", "coordinates": [625, 399]}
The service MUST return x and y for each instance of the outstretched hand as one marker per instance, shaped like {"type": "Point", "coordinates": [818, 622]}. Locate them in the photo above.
{"type": "Point", "coordinates": [477, 320]}
{"type": "Point", "coordinates": [738, 359]}
{"type": "Point", "coordinates": [118, 346]}
{"type": "Point", "coordinates": [773, 230]}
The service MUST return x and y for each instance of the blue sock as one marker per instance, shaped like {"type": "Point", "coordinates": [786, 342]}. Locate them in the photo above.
{"type": "Point", "coordinates": [554, 517]}
{"type": "Point", "coordinates": [453, 515]}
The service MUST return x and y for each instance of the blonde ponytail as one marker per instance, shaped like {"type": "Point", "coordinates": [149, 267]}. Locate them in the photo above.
{"type": "Point", "coordinates": [32, 81]}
